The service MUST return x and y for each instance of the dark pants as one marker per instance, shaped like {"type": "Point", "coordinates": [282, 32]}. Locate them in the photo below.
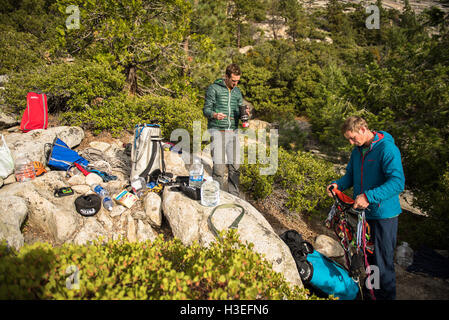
{"type": "Point", "coordinates": [383, 234]}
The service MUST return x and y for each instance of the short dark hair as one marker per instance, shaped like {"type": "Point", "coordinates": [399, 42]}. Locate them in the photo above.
{"type": "Point", "coordinates": [233, 69]}
{"type": "Point", "coordinates": [353, 124]}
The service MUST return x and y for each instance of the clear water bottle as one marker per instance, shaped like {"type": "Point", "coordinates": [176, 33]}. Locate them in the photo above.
{"type": "Point", "coordinates": [210, 192]}
{"type": "Point", "coordinates": [404, 255]}
{"type": "Point", "coordinates": [196, 173]}
{"type": "Point", "coordinates": [104, 194]}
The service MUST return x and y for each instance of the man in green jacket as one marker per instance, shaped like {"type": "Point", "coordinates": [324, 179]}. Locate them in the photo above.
{"type": "Point", "coordinates": [222, 110]}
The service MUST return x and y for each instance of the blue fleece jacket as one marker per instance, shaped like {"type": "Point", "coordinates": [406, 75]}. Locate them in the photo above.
{"type": "Point", "coordinates": [378, 174]}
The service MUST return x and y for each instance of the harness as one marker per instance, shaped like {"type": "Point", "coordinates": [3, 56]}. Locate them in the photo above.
{"type": "Point", "coordinates": [353, 231]}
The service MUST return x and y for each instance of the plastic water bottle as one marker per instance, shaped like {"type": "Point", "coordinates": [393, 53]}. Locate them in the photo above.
{"type": "Point", "coordinates": [210, 192]}
{"type": "Point", "coordinates": [104, 194]}
{"type": "Point", "coordinates": [196, 173]}
{"type": "Point", "coordinates": [404, 255]}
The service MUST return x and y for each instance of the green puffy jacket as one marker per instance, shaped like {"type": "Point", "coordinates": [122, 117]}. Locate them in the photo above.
{"type": "Point", "coordinates": [220, 99]}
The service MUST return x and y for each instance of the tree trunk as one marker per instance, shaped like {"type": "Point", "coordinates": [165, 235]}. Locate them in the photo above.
{"type": "Point", "coordinates": [273, 28]}
{"type": "Point", "coordinates": [131, 80]}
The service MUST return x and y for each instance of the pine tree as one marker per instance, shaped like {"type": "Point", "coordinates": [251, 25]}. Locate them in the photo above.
{"type": "Point", "coordinates": [144, 38]}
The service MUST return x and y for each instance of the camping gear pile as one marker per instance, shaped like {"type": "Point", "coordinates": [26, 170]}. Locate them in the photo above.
{"type": "Point", "coordinates": [145, 151]}
{"type": "Point", "coordinates": [147, 169]}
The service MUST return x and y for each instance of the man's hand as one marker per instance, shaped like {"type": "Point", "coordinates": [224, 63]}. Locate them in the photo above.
{"type": "Point", "coordinates": [361, 202]}
{"type": "Point", "coordinates": [219, 116]}
{"type": "Point", "coordinates": [329, 186]}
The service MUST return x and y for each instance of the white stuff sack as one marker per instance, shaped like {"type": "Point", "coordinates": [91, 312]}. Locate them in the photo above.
{"type": "Point", "coordinates": [6, 161]}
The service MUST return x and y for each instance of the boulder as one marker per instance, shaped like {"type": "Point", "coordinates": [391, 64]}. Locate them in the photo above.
{"type": "Point", "coordinates": [131, 229]}
{"type": "Point", "coordinates": [81, 189]}
{"type": "Point", "coordinates": [78, 179]}
{"type": "Point", "coordinates": [188, 222]}
{"type": "Point", "coordinates": [117, 210]}
{"type": "Point", "coordinates": [102, 146]}
{"type": "Point", "coordinates": [406, 200]}
{"type": "Point", "coordinates": [91, 231]}
{"type": "Point", "coordinates": [152, 204]}
{"type": "Point", "coordinates": [328, 246]}
{"type": "Point", "coordinates": [175, 164]}
{"type": "Point", "coordinates": [13, 212]}
{"type": "Point", "coordinates": [32, 143]}
{"type": "Point", "coordinates": [55, 215]}
{"type": "Point", "coordinates": [93, 179]}
{"type": "Point", "coordinates": [245, 49]}
{"type": "Point", "coordinates": [7, 121]}
{"type": "Point", "coordinates": [10, 179]}
{"type": "Point", "coordinates": [145, 232]}
{"type": "Point", "coordinates": [55, 219]}
{"type": "Point", "coordinates": [256, 124]}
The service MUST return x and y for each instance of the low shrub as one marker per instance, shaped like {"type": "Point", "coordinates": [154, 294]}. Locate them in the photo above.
{"type": "Point", "coordinates": [123, 112]}
{"type": "Point", "coordinates": [228, 269]}
{"type": "Point", "coordinates": [69, 86]}
{"type": "Point", "coordinates": [301, 175]}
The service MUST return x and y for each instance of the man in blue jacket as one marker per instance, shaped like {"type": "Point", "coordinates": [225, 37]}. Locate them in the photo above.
{"type": "Point", "coordinates": [375, 172]}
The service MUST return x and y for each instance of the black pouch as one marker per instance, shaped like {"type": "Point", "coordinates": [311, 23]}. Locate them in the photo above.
{"type": "Point", "coordinates": [88, 205]}
{"type": "Point", "coordinates": [191, 192]}
{"type": "Point", "coordinates": [182, 179]}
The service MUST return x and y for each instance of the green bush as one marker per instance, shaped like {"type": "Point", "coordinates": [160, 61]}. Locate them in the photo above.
{"type": "Point", "coordinates": [69, 86]}
{"type": "Point", "coordinates": [434, 231]}
{"type": "Point", "coordinates": [300, 175]}
{"type": "Point", "coordinates": [157, 270]}
{"type": "Point", "coordinates": [27, 34]}
{"type": "Point", "coordinates": [123, 112]}
{"type": "Point", "coordinates": [18, 50]}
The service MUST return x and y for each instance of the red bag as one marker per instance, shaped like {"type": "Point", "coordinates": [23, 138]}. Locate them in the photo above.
{"type": "Point", "coordinates": [35, 115]}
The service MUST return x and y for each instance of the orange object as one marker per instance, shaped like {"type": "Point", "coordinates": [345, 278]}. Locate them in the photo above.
{"type": "Point", "coordinates": [39, 168]}
{"type": "Point", "coordinates": [343, 197]}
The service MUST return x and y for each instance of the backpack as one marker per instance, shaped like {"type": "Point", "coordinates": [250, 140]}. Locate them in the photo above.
{"type": "Point", "coordinates": [61, 157]}
{"type": "Point", "coordinates": [35, 115]}
{"type": "Point", "coordinates": [147, 155]}
{"type": "Point", "coordinates": [319, 273]}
